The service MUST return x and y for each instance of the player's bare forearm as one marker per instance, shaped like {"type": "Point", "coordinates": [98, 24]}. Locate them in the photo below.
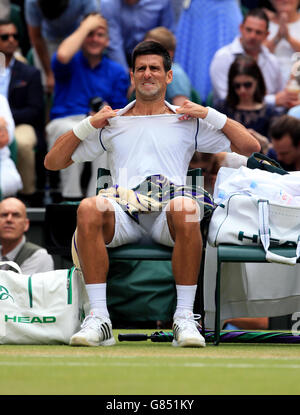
{"type": "Point", "coordinates": [242, 141]}
{"type": "Point", "coordinates": [59, 157]}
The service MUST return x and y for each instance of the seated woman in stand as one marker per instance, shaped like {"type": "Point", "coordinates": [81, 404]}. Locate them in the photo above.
{"type": "Point", "coordinates": [245, 99]}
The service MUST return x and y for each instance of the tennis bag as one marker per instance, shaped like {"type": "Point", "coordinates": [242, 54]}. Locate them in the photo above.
{"type": "Point", "coordinates": [246, 219]}
{"type": "Point", "coordinates": [43, 308]}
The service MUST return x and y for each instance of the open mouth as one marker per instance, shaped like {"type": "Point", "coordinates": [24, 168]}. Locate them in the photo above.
{"type": "Point", "coordinates": [148, 84]}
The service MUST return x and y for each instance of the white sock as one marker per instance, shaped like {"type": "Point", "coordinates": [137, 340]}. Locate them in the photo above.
{"type": "Point", "coordinates": [185, 298]}
{"type": "Point", "coordinates": [97, 298]}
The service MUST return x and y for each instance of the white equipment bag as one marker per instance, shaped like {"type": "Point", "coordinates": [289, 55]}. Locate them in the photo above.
{"type": "Point", "coordinates": [43, 308]}
{"type": "Point", "coordinates": [257, 207]}
{"type": "Point", "coordinates": [245, 219]}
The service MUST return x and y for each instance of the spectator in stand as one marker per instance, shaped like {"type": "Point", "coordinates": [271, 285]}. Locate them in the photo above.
{"type": "Point", "coordinates": [21, 85]}
{"type": "Point", "coordinates": [49, 22]}
{"type": "Point", "coordinates": [130, 20]}
{"type": "Point", "coordinates": [285, 136]}
{"type": "Point", "coordinates": [10, 180]}
{"type": "Point", "coordinates": [245, 99]}
{"type": "Point", "coordinates": [253, 32]}
{"type": "Point", "coordinates": [180, 88]}
{"type": "Point", "coordinates": [284, 33]}
{"type": "Point", "coordinates": [82, 72]}
{"type": "Point", "coordinates": [14, 223]}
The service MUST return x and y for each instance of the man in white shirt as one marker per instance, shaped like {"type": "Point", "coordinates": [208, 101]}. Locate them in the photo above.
{"type": "Point", "coordinates": [146, 138]}
{"type": "Point", "coordinates": [13, 224]}
{"type": "Point", "coordinates": [254, 31]}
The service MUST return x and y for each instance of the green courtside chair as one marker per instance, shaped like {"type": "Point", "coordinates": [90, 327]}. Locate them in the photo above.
{"type": "Point", "coordinates": [129, 270]}
{"type": "Point", "coordinates": [240, 253]}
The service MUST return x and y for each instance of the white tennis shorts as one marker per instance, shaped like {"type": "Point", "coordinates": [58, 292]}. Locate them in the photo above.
{"type": "Point", "coordinates": [151, 226]}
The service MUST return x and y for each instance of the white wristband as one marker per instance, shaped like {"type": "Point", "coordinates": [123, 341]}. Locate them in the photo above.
{"type": "Point", "coordinates": [216, 118]}
{"type": "Point", "coordinates": [83, 129]}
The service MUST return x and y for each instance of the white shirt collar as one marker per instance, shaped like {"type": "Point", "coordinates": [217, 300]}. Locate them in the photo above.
{"type": "Point", "coordinates": [131, 104]}
{"type": "Point", "coordinates": [237, 47]}
{"type": "Point", "coordinates": [14, 252]}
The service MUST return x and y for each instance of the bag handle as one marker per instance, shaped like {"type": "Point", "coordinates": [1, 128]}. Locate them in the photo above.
{"type": "Point", "coordinates": [264, 232]}
{"type": "Point", "coordinates": [12, 265]}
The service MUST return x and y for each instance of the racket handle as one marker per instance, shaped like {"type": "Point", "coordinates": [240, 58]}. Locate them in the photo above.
{"type": "Point", "coordinates": [132, 337]}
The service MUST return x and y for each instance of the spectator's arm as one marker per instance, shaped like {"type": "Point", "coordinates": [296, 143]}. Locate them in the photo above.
{"type": "Point", "coordinates": [38, 42]}
{"type": "Point", "coordinates": [73, 43]}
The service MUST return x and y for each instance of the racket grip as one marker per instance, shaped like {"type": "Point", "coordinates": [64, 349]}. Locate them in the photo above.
{"type": "Point", "coordinates": [132, 337]}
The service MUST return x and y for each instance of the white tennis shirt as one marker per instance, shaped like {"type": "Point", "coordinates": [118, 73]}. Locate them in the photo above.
{"type": "Point", "coordinates": [141, 146]}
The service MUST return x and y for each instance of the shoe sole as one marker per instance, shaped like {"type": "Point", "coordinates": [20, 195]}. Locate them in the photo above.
{"type": "Point", "coordinates": [189, 343]}
{"type": "Point", "coordinates": [81, 341]}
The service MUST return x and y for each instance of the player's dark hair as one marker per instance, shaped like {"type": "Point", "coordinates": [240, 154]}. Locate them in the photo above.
{"type": "Point", "coordinates": [149, 47]}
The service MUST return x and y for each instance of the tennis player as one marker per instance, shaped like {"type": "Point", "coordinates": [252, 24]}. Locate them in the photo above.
{"type": "Point", "coordinates": [147, 138]}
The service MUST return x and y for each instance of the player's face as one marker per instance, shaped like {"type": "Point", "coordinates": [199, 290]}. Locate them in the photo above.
{"type": "Point", "coordinates": [149, 77]}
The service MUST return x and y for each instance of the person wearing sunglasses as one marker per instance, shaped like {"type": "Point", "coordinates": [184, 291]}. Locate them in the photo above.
{"type": "Point", "coordinates": [253, 33]}
{"type": "Point", "coordinates": [21, 85]}
{"type": "Point", "coordinates": [245, 99]}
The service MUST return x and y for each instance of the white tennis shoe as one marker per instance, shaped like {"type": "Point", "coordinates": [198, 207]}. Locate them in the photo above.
{"type": "Point", "coordinates": [95, 331]}
{"type": "Point", "coordinates": [186, 330]}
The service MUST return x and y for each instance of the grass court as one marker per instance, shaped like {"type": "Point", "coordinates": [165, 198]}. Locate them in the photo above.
{"type": "Point", "coordinates": [147, 368]}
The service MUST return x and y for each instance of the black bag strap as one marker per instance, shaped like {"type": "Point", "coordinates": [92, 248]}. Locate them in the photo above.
{"type": "Point", "coordinates": [263, 162]}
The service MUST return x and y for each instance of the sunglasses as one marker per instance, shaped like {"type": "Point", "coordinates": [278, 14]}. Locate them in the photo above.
{"type": "Point", "coordinates": [238, 85]}
{"type": "Point", "coordinates": [5, 36]}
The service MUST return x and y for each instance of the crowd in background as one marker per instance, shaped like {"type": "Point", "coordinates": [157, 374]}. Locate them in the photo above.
{"type": "Point", "coordinates": [64, 59]}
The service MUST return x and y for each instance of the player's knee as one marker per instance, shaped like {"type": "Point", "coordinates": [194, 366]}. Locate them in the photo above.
{"type": "Point", "coordinates": [94, 212]}
{"type": "Point", "coordinates": [184, 209]}
{"type": "Point", "coordinates": [87, 213]}
{"type": "Point", "coordinates": [184, 216]}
